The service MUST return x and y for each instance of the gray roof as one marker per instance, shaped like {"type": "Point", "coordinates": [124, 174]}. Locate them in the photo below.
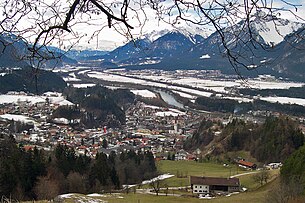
{"type": "Point", "coordinates": [214, 181]}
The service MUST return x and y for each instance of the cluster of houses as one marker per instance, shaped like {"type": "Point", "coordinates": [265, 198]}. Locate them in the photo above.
{"type": "Point", "coordinates": [152, 128]}
{"type": "Point", "coordinates": [160, 130]}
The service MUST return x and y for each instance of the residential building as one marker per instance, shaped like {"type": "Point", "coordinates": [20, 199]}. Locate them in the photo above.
{"type": "Point", "coordinates": [247, 164]}
{"type": "Point", "coordinates": [214, 185]}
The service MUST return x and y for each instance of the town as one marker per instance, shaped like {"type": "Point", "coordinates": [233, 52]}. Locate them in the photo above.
{"type": "Point", "coordinates": [158, 129]}
{"type": "Point", "coordinates": [157, 121]}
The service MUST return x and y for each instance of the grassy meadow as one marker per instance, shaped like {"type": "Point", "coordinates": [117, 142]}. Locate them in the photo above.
{"type": "Point", "coordinates": [183, 169]}
{"type": "Point", "coordinates": [255, 193]}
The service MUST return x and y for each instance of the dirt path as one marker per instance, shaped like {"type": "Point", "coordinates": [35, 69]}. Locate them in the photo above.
{"type": "Point", "coordinates": [243, 174]}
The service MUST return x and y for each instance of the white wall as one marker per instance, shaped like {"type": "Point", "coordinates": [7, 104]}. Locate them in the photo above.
{"type": "Point", "coordinates": [201, 189]}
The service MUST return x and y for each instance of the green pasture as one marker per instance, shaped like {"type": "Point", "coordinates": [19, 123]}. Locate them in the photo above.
{"type": "Point", "coordinates": [183, 169]}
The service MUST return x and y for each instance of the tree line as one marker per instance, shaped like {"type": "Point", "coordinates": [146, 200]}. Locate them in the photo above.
{"type": "Point", "coordinates": [232, 106]}
{"type": "Point", "coordinates": [294, 92]}
{"type": "Point", "coordinates": [273, 141]}
{"type": "Point", "coordinates": [31, 81]}
{"type": "Point", "coordinates": [38, 174]}
{"type": "Point", "coordinates": [96, 106]}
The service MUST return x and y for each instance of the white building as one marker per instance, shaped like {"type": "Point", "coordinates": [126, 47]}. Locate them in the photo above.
{"type": "Point", "coordinates": [207, 185]}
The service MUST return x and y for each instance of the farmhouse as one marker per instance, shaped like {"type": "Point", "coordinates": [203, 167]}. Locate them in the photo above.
{"type": "Point", "coordinates": [207, 185]}
{"type": "Point", "coordinates": [247, 164]}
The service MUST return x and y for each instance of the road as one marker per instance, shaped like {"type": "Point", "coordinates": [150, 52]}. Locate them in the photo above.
{"type": "Point", "coordinates": [243, 174]}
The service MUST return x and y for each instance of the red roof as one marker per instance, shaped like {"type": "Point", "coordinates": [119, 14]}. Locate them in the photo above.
{"type": "Point", "coordinates": [28, 148]}
{"type": "Point", "coordinates": [246, 163]}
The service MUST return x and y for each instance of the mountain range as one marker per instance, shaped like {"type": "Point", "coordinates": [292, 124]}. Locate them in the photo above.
{"type": "Point", "coordinates": [268, 44]}
{"type": "Point", "coordinates": [15, 52]}
{"type": "Point", "coordinates": [273, 46]}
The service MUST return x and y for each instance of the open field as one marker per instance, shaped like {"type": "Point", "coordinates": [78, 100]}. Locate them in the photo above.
{"type": "Point", "coordinates": [249, 182]}
{"type": "Point", "coordinates": [192, 168]}
{"type": "Point", "coordinates": [251, 197]}
{"type": "Point", "coordinates": [255, 193]}
{"type": "Point", "coordinates": [257, 196]}
{"type": "Point", "coordinates": [190, 84]}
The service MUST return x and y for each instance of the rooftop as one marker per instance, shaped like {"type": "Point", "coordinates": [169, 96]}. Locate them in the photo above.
{"type": "Point", "coordinates": [214, 181]}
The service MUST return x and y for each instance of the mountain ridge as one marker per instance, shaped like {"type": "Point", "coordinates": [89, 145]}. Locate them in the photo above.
{"type": "Point", "coordinates": [252, 49]}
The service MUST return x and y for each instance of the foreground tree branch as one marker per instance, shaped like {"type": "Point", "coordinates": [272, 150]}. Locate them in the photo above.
{"type": "Point", "coordinates": [57, 21]}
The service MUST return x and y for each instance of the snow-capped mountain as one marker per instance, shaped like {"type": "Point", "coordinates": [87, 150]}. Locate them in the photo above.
{"type": "Point", "coordinates": [143, 51]}
{"type": "Point", "coordinates": [174, 42]}
{"type": "Point", "coordinates": [127, 51]}
{"type": "Point", "coordinates": [272, 29]}
{"type": "Point", "coordinates": [154, 35]}
{"type": "Point", "coordinates": [291, 58]}
{"type": "Point", "coordinates": [195, 34]}
{"type": "Point", "coordinates": [268, 45]}
{"type": "Point", "coordinates": [269, 42]}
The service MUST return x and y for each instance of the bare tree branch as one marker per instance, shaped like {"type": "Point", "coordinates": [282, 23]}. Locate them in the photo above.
{"type": "Point", "coordinates": [55, 20]}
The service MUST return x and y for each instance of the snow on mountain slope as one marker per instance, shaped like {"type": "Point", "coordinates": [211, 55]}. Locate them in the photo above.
{"type": "Point", "coordinates": [192, 32]}
{"type": "Point", "coordinates": [273, 31]}
{"type": "Point", "coordinates": [154, 35]}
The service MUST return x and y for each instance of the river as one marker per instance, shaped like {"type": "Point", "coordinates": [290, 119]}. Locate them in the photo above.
{"type": "Point", "coordinates": [170, 99]}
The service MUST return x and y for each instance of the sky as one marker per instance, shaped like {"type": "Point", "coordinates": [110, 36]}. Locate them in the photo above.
{"type": "Point", "coordinates": [109, 38]}
{"type": "Point", "coordinates": [145, 20]}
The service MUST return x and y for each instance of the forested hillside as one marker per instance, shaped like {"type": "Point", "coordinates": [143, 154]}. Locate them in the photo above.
{"type": "Point", "coordinates": [37, 174]}
{"type": "Point", "coordinates": [96, 106]}
{"type": "Point", "coordinates": [232, 106]}
{"type": "Point", "coordinates": [31, 80]}
{"type": "Point", "coordinates": [272, 141]}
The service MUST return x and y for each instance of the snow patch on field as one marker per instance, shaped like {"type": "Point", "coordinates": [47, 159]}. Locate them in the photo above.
{"type": "Point", "coordinates": [205, 56]}
{"type": "Point", "coordinates": [144, 93]}
{"type": "Point", "coordinates": [185, 95]}
{"type": "Point", "coordinates": [115, 87]}
{"type": "Point", "coordinates": [7, 99]}
{"type": "Point", "coordinates": [85, 85]}
{"type": "Point", "coordinates": [81, 198]}
{"type": "Point", "coordinates": [90, 198]}
{"type": "Point", "coordinates": [71, 79]}
{"type": "Point", "coordinates": [114, 78]}
{"type": "Point", "coordinates": [169, 113]}
{"type": "Point", "coordinates": [284, 100]}
{"type": "Point", "coordinates": [239, 99]}
{"type": "Point", "coordinates": [60, 71]}
{"type": "Point", "coordinates": [114, 70]}
{"type": "Point", "coordinates": [215, 85]}
{"type": "Point", "coordinates": [151, 107]}
{"type": "Point", "coordinates": [150, 62]}
{"type": "Point", "coordinates": [160, 177]}
{"type": "Point", "coordinates": [124, 79]}
{"type": "Point", "coordinates": [83, 72]}
{"type": "Point", "coordinates": [257, 84]}
{"type": "Point", "coordinates": [14, 117]}
{"type": "Point", "coordinates": [60, 101]}
{"type": "Point", "coordinates": [193, 91]}
{"type": "Point", "coordinates": [66, 195]}
{"type": "Point", "coordinates": [96, 195]}
{"type": "Point", "coordinates": [194, 87]}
